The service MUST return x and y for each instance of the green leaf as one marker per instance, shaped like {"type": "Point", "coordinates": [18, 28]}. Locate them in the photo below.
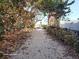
{"type": "Point", "coordinates": [1, 30]}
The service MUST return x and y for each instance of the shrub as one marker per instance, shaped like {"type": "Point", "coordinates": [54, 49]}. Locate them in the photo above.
{"type": "Point", "coordinates": [20, 25]}
{"type": "Point", "coordinates": [1, 29]}
{"type": "Point", "coordinates": [69, 39]}
{"type": "Point", "coordinates": [44, 26]}
{"type": "Point", "coordinates": [1, 55]}
{"type": "Point", "coordinates": [67, 36]}
{"type": "Point", "coordinates": [76, 45]}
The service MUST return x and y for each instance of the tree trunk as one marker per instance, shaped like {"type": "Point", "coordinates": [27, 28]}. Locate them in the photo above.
{"type": "Point", "coordinates": [53, 21]}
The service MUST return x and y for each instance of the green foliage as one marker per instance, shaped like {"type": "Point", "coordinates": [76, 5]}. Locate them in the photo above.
{"type": "Point", "coordinates": [61, 7]}
{"type": "Point", "coordinates": [1, 27]}
{"type": "Point", "coordinates": [20, 25]}
{"type": "Point", "coordinates": [15, 2]}
{"type": "Point", "coordinates": [32, 25]}
{"type": "Point", "coordinates": [12, 14]}
{"type": "Point", "coordinates": [1, 55]}
{"type": "Point", "coordinates": [68, 37]}
{"type": "Point", "coordinates": [2, 1]}
{"type": "Point", "coordinates": [76, 45]}
{"type": "Point", "coordinates": [11, 20]}
{"type": "Point", "coordinates": [44, 26]}
{"type": "Point", "coordinates": [18, 3]}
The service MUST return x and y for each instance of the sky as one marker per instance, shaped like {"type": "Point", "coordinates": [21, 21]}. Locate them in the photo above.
{"type": "Point", "coordinates": [74, 14]}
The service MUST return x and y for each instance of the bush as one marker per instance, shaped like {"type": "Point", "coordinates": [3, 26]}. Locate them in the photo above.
{"type": "Point", "coordinates": [1, 29]}
{"type": "Point", "coordinates": [20, 26]}
{"type": "Point", "coordinates": [76, 45]}
{"type": "Point", "coordinates": [69, 39]}
{"type": "Point", "coordinates": [44, 26]}
{"type": "Point", "coordinates": [67, 36]}
{"type": "Point", "coordinates": [1, 55]}
{"type": "Point", "coordinates": [32, 25]}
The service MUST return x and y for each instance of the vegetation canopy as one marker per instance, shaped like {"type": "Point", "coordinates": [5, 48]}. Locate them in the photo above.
{"type": "Point", "coordinates": [55, 7]}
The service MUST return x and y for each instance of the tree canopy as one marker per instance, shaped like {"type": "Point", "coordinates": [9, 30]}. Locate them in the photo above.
{"type": "Point", "coordinates": [58, 7]}
{"type": "Point", "coordinates": [13, 16]}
